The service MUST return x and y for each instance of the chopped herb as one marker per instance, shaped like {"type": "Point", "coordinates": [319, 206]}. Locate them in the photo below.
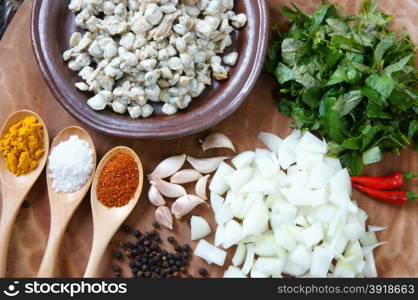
{"type": "Point", "coordinates": [350, 79]}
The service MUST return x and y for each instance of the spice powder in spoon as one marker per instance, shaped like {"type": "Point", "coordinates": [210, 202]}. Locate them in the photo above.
{"type": "Point", "coordinates": [118, 181]}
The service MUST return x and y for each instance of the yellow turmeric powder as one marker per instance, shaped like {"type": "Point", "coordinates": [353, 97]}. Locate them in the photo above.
{"type": "Point", "coordinates": [23, 146]}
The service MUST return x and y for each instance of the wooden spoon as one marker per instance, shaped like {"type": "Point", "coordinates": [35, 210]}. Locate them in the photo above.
{"type": "Point", "coordinates": [107, 220]}
{"type": "Point", "coordinates": [15, 188]}
{"type": "Point", "coordinates": [63, 205]}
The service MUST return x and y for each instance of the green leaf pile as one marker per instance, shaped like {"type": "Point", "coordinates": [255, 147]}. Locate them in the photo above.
{"type": "Point", "coordinates": [349, 78]}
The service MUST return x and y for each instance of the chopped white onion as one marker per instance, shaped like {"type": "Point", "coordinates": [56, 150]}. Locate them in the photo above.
{"type": "Point", "coordinates": [210, 253]}
{"type": "Point", "coordinates": [199, 227]}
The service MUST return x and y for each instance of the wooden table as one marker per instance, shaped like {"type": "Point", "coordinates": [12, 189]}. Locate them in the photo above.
{"type": "Point", "coordinates": [23, 87]}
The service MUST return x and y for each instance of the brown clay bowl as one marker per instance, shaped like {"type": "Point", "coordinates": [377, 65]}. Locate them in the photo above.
{"type": "Point", "coordinates": [51, 27]}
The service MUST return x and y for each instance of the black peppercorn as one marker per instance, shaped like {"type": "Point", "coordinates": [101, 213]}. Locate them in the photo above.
{"type": "Point", "coordinates": [203, 271]}
{"type": "Point", "coordinates": [132, 264]}
{"type": "Point", "coordinates": [179, 263]}
{"type": "Point", "coordinates": [26, 204]}
{"type": "Point", "coordinates": [171, 239]}
{"type": "Point", "coordinates": [177, 248]}
{"type": "Point", "coordinates": [164, 252]}
{"type": "Point", "coordinates": [186, 248]}
{"type": "Point", "coordinates": [144, 267]}
{"type": "Point", "coordinates": [174, 268]}
{"type": "Point", "coordinates": [130, 245]}
{"type": "Point", "coordinates": [137, 234]}
{"type": "Point", "coordinates": [135, 252]}
{"type": "Point", "coordinates": [147, 235]}
{"type": "Point", "coordinates": [154, 246]}
{"type": "Point", "coordinates": [171, 262]}
{"type": "Point", "coordinates": [157, 239]}
{"type": "Point", "coordinates": [189, 276]}
{"type": "Point", "coordinates": [170, 256]}
{"type": "Point", "coordinates": [134, 270]}
{"type": "Point", "coordinates": [116, 268]}
{"type": "Point", "coordinates": [117, 254]}
{"type": "Point", "coordinates": [155, 224]}
{"type": "Point", "coordinates": [126, 228]}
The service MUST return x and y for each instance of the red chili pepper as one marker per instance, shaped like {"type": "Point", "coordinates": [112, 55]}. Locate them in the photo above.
{"type": "Point", "coordinates": [395, 197]}
{"type": "Point", "coordinates": [388, 182]}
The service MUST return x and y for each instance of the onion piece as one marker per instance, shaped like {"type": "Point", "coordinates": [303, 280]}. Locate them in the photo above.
{"type": "Point", "coordinates": [249, 259]}
{"type": "Point", "coordinates": [256, 273]}
{"type": "Point", "coordinates": [243, 159]}
{"type": "Point", "coordinates": [216, 202]}
{"type": "Point", "coordinates": [185, 176]}
{"type": "Point", "coordinates": [210, 253]}
{"type": "Point", "coordinates": [269, 265]}
{"type": "Point", "coordinates": [239, 255]}
{"type": "Point", "coordinates": [232, 234]}
{"type": "Point", "coordinates": [256, 220]}
{"type": "Point", "coordinates": [205, 165]}
{"type": "Point", "coordinates": [168, 167]}
{"type": "Point", "coordinates": [234, 272]}
{"type": "Point", "coordinates": [376, 228]}
{"type": "Point", "coordinates": [217, 140]}
{"type": "Point", "coordinates": [199, 228]}
{"type": "Point", "coordinates": [321, 261]}
{"type": "Point", "coordinates": [271, 141]}
{"type": "Point", "coordinates": [218, 183]}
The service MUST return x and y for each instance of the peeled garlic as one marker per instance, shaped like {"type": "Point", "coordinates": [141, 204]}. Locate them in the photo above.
{"type": "Point", "coordinates": [200, 188]}
{"type": "Point", "coordinates": [164, 217]}
{"type": "Point", "coordinates": [205, 165]}
{"type": "Point", "coordinates": [217, 140]}
{"type": "Point", "coordinates": [185, 204]}
{"type": "Point", "coordinates": [185, 176]}
{"type": "Point", "coordinates": [168, 166]}
{"type": "Point", "coordinates": [155, 197]}
{"type": "Point", "coordinates": [168, 189]}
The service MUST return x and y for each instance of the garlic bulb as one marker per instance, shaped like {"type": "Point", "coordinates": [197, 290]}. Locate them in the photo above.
{"type": "Point", "coordinates": [185, 204]}
{"type": "Point", "coordinates": [200, 188]}
{"type": "Point", "coordinates": [168, 189]}
{"type": "Point", "coordinates": [217, 140]}
{"type": "Point", "coordinates": [155, 197]}
{"type": "Point", "coordinates": [164, 217]}
{"type": "Point", "coordinates": [185, 176]}
{"type": "Point", "coordinates": [168, 166]}
{"type": "Point", "coordinates": [205, 165]}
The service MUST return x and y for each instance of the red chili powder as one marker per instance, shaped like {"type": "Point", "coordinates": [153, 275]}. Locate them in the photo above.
{"type": "Point", "coordinates": [118, 181]}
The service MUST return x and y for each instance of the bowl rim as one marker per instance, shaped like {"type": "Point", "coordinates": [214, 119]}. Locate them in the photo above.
{"type": "Point", "coordinates": [227, 110]}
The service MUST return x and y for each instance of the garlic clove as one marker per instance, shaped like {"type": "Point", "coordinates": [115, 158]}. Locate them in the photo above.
{"type": "Point", "coordinates": [217, 140]}
{"type": "Point", "coordinates": [155, 197]}
{"type": "Point", "coordinates": [168, 166]}
{"type": "Point", "coordinates": [184, 205]}
{"type": "Point", "coordinates": [164, 217]}
{"type": "Point", "coordinates": [168, 189]}
{"type": "Point", "coordinates": [185, 176]}
{"type": "Point", "coordinates": [205, 165]}
{"type": "Point", "coordinates": [200, 188]}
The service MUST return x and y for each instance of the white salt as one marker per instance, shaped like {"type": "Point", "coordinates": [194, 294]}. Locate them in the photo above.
{"type": "Point", "coordinates": [70, 164]}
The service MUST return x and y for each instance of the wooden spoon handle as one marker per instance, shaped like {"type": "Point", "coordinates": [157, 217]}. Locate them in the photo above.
{"type": "Point", "coordinates": [6, 225]}
{"type": "Point", "coordinates": [54, 242]}
{"type": "Point", "coordinates": [97, 250]}
{"type": "Point", "coordinates": [11, 203]}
